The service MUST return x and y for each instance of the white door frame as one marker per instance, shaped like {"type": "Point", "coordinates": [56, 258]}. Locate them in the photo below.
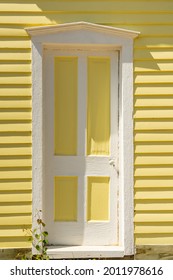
{"type": "Point", "coordinates": [82, 34]}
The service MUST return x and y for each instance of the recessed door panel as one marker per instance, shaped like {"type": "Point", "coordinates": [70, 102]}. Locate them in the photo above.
{"type": "Point", "coordinates": [98, 106]}
{"type": "Point", "coordinates": [98, 198]}
{"type": "Point", "coordinates": [65, 198]}
{"type": "Point", "coordinates": [65, 105]}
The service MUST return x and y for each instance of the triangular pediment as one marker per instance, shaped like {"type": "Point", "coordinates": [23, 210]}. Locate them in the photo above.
{"type": "Point", "coordinates": [82, 26]}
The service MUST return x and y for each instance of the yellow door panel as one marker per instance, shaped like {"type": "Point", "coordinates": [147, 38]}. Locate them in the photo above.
{"type": "Point", "coordinates": [98, 198]}
{"type": "Point", "coordinates": [65, 198]}
{"type": "Point", "coordinates": [98, 111]}
{"type": "Point", "coordinates": [65, 105]}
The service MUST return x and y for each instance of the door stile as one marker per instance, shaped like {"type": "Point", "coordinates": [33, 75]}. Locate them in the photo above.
{"type": "Point", "coordinates": [82, 95]}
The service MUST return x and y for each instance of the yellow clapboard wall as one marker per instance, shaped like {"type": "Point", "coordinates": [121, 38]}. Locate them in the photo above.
{"type": "Point", "coordinates": [153, 108]}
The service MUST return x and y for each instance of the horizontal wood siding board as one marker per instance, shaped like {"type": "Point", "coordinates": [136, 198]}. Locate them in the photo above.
{"type": "Point", "coordinates": [16, 175]}
{"type": "Point", "coordinates": [153, 171]}
{"type": "Point", "coordinates": [159, 194]}
{"type": "Point", "coordinates": [154, 205]}
{"type": "Point", "coordinates": [15, 68]}
{"type": "Point", "coordinates": [15, 103]}
{"type": "Point", "coordinates": [66, 6]}
{"type": "Point", "coordinates": [9, 55]}
{"type": "Point", "coordinates": [16, 185]}
{"type": "Point", "coordinates": [17, 90]}
{"type": "Point", "coordinates": [154, 148]}
{"type": "Point", "coordinates": [19, 127]}
{"type": "Point", "coordinates": [153, 182]}
{"type": "Point", "coordinates": [149, 31]}
{"type": "Point", "coordinates": [154, 239]}
{"type": "Point", "coordinates": [149, 124]}
{"type": "Point", "coordinates": [101, 18]}
{"type": "Point", "coordinates": [16, 138]}
{"type": "Point", "coordinates": [15, 162]}
{"type": "Point", "coordinates": [143, 67]}
{"type": "Point", "coordinates": [12, 243]}
{"type": "Point", "coordinates": [14, 197]}
{"type": "Point", "coordinates": [154, 217]}
{"type": "Point", "coordinates": [154, 78]}
{"type": "Point", "coordinates": [157, 43]}
{"type": "Point", "coordinates": [153, 91]}
{"type": "Point", "coordinates": [141, 160]}
{"type": "Point", "coordinates": [15, 150]}
{"type": "Point", "coordinates": [150, 136]}
{"type": "Point", "coordinates": [161, 229]}
{"type": "Point", "coordinates": [15, 233]}
{"type": "Point", "coordinates": [153, 114]}
{"type": "Point", "coordinates": [15, 80]}
{"type": "Point", "coordinates": [16, 31]}
{"type": "Point", "coordinates": [23, 116]}
{"type": "Point", "coordinates": [153, 102]}
{"type": "Point", "coordinates": [121, 19]}
{"type": "Point", "coordinates": [149, 54]}
{"type": "Point", "coordinates": [15, 219]}
{"type": "Point", "coordinates": [14, 43]}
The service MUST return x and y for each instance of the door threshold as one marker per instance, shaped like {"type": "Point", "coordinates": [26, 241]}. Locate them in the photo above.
{"type": "Point", "coordinates": [81, 252]}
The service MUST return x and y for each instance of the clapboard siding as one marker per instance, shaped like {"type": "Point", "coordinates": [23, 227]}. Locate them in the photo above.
{"type": "Point", "coordinates": [153, 130]}
{"type": "Point", "coordinates": [15, 162]}
{"type": "Point", "coordinates": [153, 90]}
{"type": "Point", "coordinates": [16, 185]}
{"type": "Point", "coordinates": [153, 106]}
{"type": "Point", "coordinates": [66, 6]}
{"type": "Point", "coordinates": [14, 43]}
{"type": "Point", "coordinates": [17, 67]}
{"type": "Point", "coordinates": [15, 133]}
{"type": "Point", "coordinates": [153, 101]}
{"type": "Point", "coordinates": [109, 18]}
{"type": "Point", "coordinates": [153, 137]}
{"type": "Point", "coordinates": [141, 160]}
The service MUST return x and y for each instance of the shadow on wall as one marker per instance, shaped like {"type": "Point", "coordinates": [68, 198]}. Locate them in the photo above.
{"type": "Point", "coordinates": [150, 52]}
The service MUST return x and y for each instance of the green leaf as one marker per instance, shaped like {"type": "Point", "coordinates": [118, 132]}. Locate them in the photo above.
{"type": "Point", "coordinates": [45, 242]}
{"type": "Point", "coordinates": [38, 247]}
{"type": "Point", "coordinates": [37, 236]}
{"type": "Point", "coordinates": [45, 233]}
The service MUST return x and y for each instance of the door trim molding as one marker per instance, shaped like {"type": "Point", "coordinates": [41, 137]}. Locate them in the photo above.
{"type": "Point", "coordinates": [91, 36]}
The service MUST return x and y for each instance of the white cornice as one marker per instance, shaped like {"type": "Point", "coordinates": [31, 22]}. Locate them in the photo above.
{"type": "Point", "coordinates": [53, 29]}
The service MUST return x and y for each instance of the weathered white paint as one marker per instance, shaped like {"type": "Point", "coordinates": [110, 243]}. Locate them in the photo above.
{"type": "Point", "coordinates": [87, 35]}
{"type": "Point", "coordinates": [75, 252]}
{"type": "Point", "coordinates": [80, 232]}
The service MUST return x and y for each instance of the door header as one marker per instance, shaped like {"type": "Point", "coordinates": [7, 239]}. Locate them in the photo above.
{"type": "Point", "coordinates": [65, 27]}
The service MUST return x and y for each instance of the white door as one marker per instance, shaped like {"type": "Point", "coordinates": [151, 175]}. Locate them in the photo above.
{"type": "Point", "coordinates": [81, 147]}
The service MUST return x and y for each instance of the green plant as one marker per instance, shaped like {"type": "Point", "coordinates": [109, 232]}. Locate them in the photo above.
{"type": "Point", "coordinates": [39, 239]}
